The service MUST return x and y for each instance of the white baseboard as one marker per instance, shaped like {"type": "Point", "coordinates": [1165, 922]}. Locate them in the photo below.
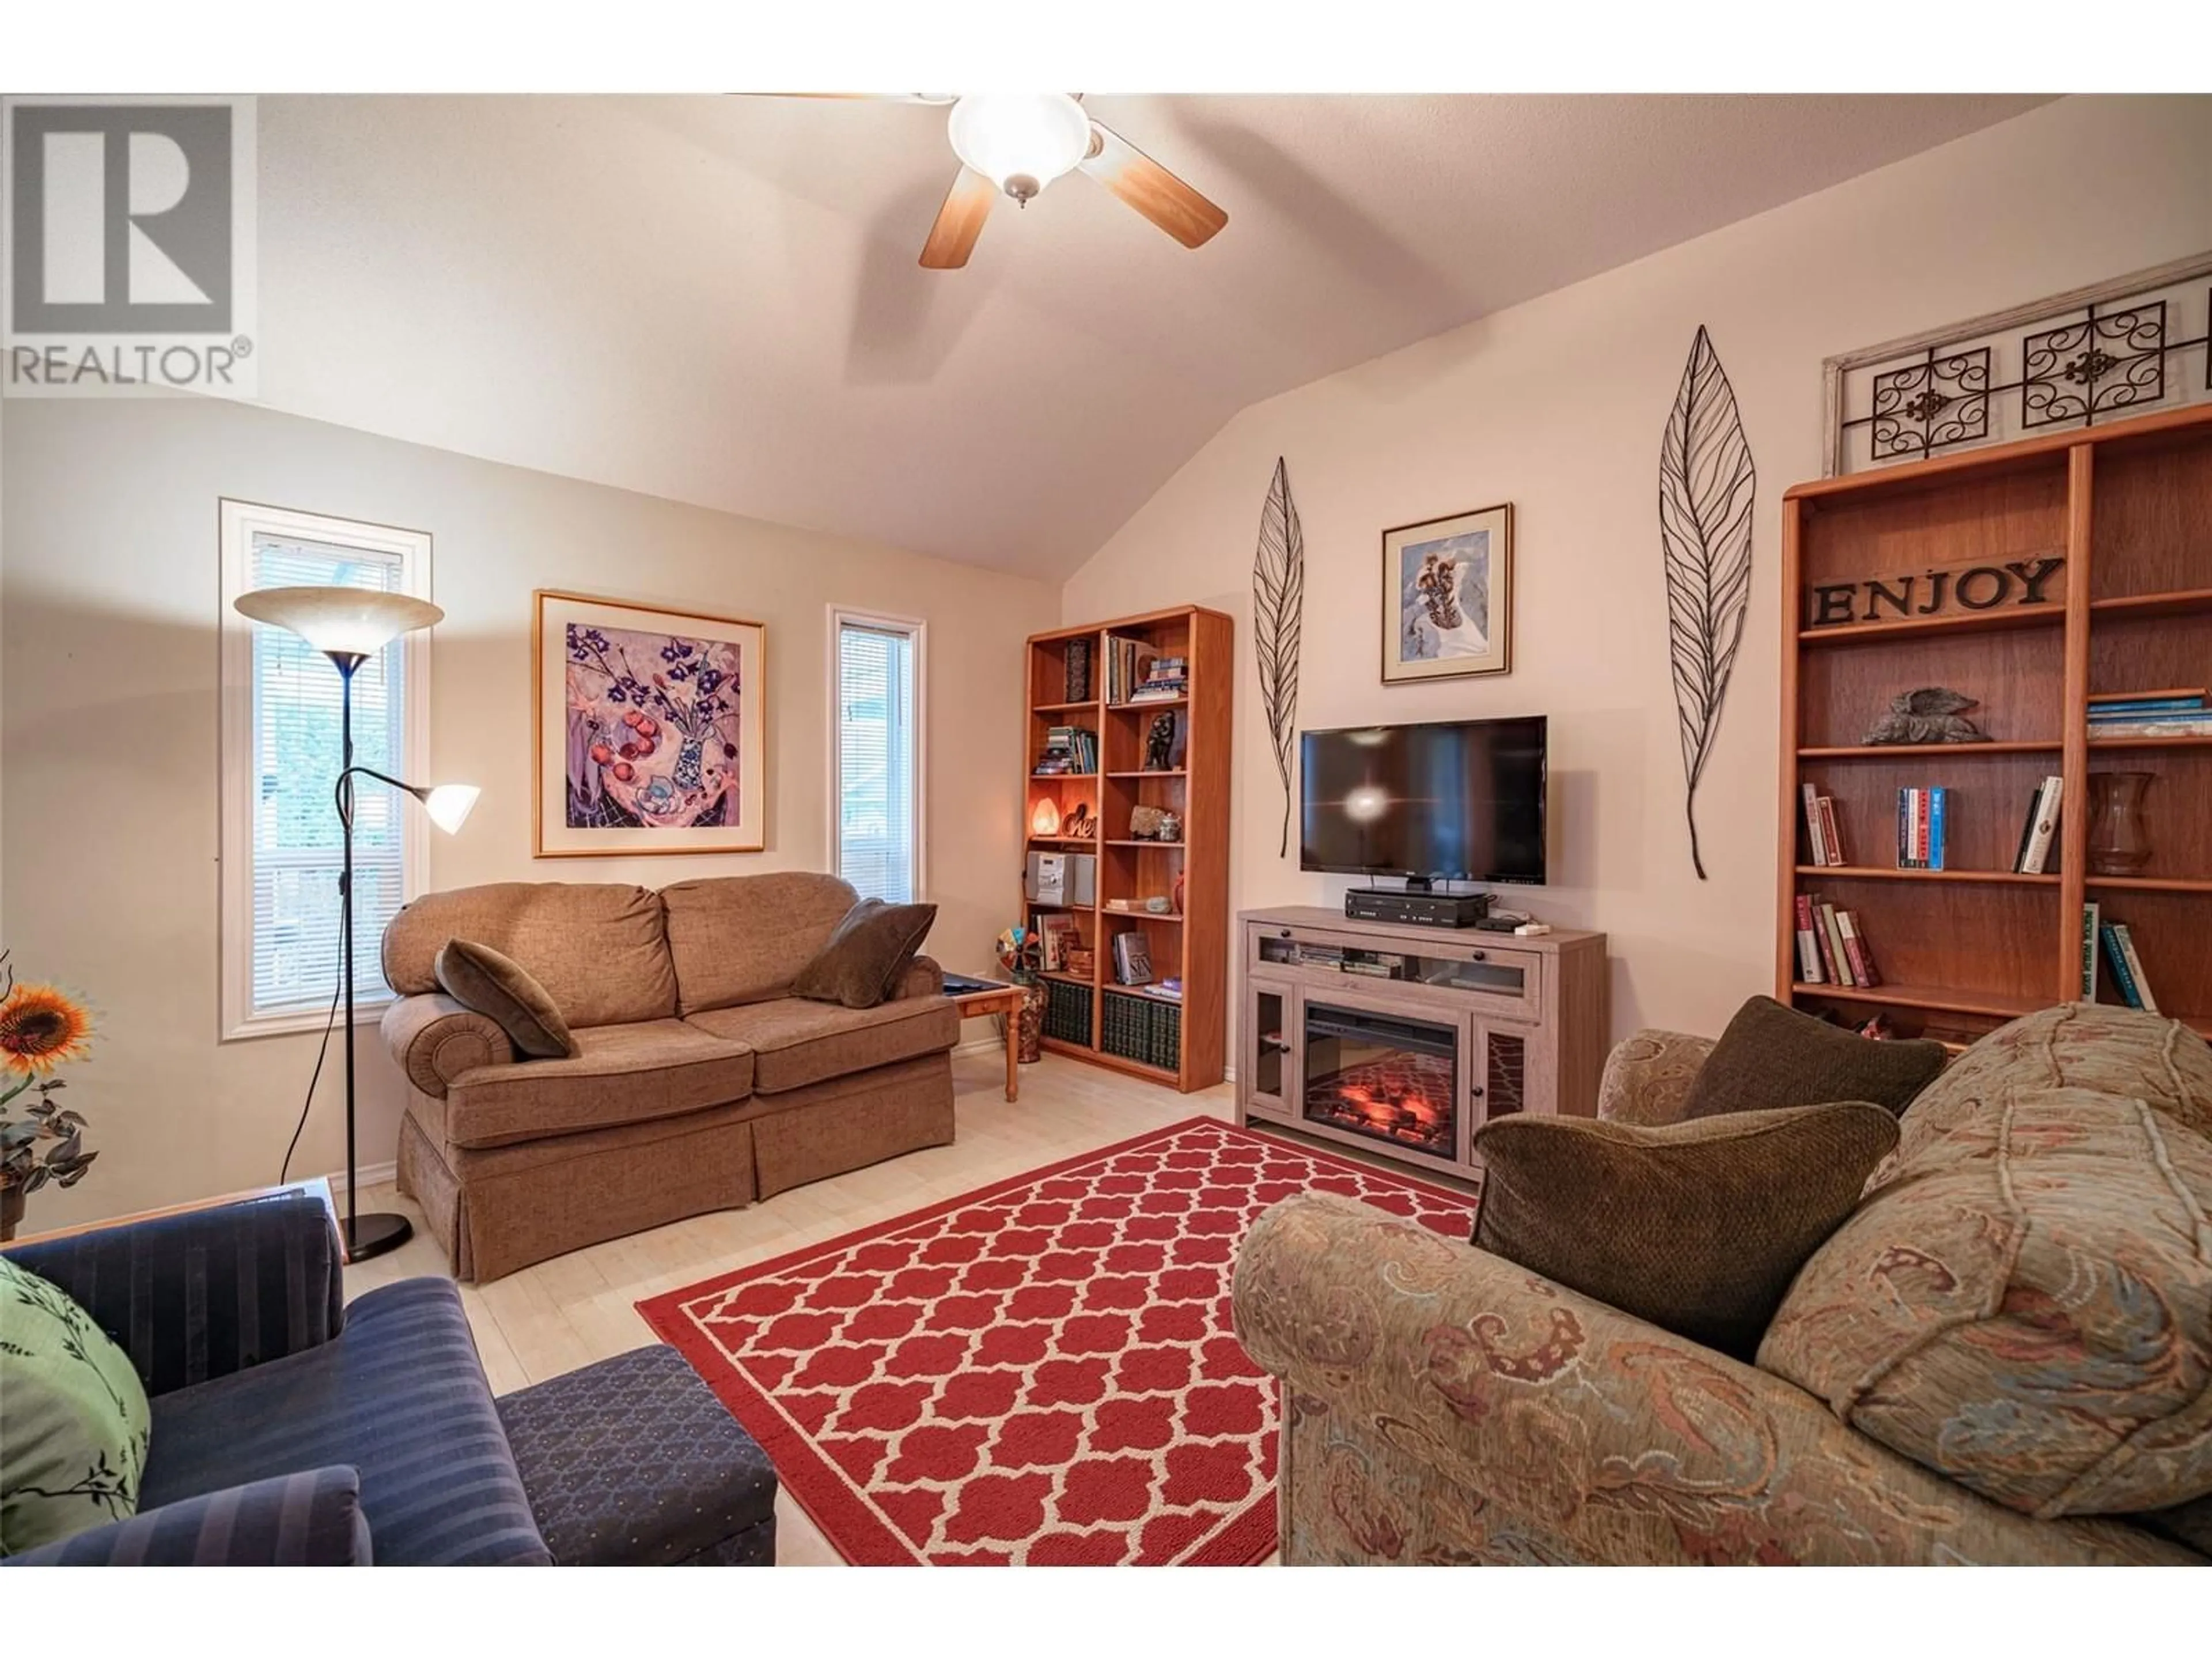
{"type": "Point", "coordinates": [983, 1045]}
{"type": "Point", "coordinates": [371, 1175]}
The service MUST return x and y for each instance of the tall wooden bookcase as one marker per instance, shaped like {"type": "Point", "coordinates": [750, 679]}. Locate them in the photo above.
{"type": "Point", "coordinates": [2129, 509]}
{"type": "Point", "coordinates": [1192, 944]}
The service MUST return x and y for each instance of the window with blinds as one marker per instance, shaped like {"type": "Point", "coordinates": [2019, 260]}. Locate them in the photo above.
{"type": "Point", "coordinates": [877, 676]}
{"type": "Point", "coordinates": [282, 754]}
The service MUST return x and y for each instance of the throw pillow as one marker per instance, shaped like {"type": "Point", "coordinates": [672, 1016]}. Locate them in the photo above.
{"type": "Point", "coordinates": [74, 1443]}
{"type": "Point", "coordinates": [866, 954]}
{"type": "Point", "coordinates": [1697, 1227]}
{"type": "Point", "coordinates": [1771, 1057]}
{"type": "Point", "coordinates": [488, 983]}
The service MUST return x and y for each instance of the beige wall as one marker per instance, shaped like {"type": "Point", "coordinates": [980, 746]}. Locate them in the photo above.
{"type": "Point", "coordinates": [111, 599]}
{"type": "Point", "coordinates": [1557, 406]}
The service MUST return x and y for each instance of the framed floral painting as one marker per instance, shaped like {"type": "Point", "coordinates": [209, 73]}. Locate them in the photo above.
{"type": "Point", "coordinates": [651, 727]}
{"type": "Point", "coordinates": [1448, 597]}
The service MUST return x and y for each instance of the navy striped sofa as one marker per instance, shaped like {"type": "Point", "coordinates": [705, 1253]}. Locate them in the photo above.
{"type": "Point", "coordinates": [288, 1427]}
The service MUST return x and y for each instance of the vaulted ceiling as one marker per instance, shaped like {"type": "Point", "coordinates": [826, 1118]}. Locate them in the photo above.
{"type": "Point", "coordinates": [716, 300]}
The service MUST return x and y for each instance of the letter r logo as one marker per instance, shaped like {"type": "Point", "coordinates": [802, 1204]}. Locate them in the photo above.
{"type": "Point", "coordinates": [120, 218]}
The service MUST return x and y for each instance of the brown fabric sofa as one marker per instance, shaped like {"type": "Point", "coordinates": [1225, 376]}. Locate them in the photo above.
{"type": "Point", "coordinates": [2002, 1356]}
{"type": "Point", "coordinates": [701, 1085]}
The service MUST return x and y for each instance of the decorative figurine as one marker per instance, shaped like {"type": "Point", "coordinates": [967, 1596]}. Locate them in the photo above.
{"type": "Point", "coordinates": [1932, 714]}
{"type": "Point", "coordinates": [1159, 743]}
{"type": "Point", "coordinates": [1169, 828]}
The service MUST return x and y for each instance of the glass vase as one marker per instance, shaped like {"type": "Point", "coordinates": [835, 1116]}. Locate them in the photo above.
{"type": "Point", "coordinates": [2118, 845]}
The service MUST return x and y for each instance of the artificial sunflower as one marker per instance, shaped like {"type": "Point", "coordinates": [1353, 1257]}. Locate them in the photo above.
{"type": "Point", "coordinates": [40, 1027]}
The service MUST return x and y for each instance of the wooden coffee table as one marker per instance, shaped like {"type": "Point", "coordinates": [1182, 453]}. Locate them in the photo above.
{"type": "Point", "coordinates": [998, 999]}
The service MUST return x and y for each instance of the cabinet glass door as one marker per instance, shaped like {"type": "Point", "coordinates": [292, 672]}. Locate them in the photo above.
{"type": "Point", "coordinates": [1501, 1061]}
{"type": "Point", "coordinates": [1267, 1049]}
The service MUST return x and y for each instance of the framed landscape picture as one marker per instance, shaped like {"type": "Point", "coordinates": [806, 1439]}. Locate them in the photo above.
{"type": "Point", "coordinates": [1448, 597]}
{"type": "Point", "coordinates": [651, 726]}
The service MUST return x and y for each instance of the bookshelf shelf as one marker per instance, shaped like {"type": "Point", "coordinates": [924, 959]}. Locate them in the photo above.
{"type": "Point", "coordinates": [1191, 944]}
{"type": "Point", "coordinates": [2124, 507]}
{"type": "Point", "coordinates": [1992, 1004]}
{"type": "Point", "coordinates": [1947, 751]}
{"type": "Point", "coordinates": [2187, 602]}
{"type": "Point", "coordinates": [1973, 622]}
{"type": "Point", "coordinates": [1880, 872]}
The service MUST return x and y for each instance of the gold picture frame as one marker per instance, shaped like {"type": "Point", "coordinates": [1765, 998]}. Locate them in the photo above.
{"type": "Point", "coordinates": [649, 728]}
{"type": "Point", "coordinates": [1448, 597]}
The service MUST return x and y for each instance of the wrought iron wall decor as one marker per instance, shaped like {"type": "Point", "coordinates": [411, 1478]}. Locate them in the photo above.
{"type": "Point", "coordinates": [2119, 347]}
{"type": "Point", "coordinates": [1706, 486]}
{"type": "Point", "coordinates": [1279, 593]}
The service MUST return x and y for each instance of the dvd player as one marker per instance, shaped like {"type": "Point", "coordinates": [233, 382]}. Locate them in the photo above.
{"type": "Point", "coordinates": [1421, 909]}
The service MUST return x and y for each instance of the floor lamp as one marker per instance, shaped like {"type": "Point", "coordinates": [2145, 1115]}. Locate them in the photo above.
{"type": "Point", "coordinates": [350, 625]}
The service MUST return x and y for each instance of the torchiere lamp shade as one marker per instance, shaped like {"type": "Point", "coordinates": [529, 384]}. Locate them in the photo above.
{"type": "Point", "coordinates": [354, 622]}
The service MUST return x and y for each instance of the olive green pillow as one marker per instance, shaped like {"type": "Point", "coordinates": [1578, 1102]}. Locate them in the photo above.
{"type": "Point", "coordinates": [73, 1418]}
{"type": "Point", "coordinates": [488, 983]}
{"type": "Point", "coordinates": [1697, 1227]}
{"type": "Point", "coordinates": [1770, 1056]}
{"type": "Point", "coordinates": [867, 955]}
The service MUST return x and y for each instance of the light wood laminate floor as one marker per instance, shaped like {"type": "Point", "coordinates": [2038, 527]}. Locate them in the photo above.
{"type": "Point", "coordinates": [570, 1311]}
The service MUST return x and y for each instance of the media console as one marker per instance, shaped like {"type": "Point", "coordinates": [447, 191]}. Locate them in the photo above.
{"type": "Point", "coordinates": [1404, 1040]}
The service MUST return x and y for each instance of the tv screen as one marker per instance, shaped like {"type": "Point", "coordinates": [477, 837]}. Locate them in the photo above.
{"type": "Point", "coordinates": [1458, 799]}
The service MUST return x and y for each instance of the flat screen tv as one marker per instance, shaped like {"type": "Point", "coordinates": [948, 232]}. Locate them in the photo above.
{"type": "Point", "coordinates": [1459, 800]}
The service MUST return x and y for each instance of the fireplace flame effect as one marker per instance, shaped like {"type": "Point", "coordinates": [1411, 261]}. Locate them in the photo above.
{"type": "Point", "coordinates": [1402, 1100]}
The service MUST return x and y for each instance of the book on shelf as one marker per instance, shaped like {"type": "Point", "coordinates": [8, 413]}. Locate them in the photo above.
{"type": "Point", "coordinates": [1069, 750]}
{"type": "Point", "coordinates": [2090, 912]}
{"type": "Point", "coordinates": [1823, 835]}
{"type": "Point", "coordinates": [1856, 951]}
{"type": "Point", "coordinates": [2038, 831]}
{"type": "Point", "coordinates": [2183, 712]}
{"type": "Point", "coordinates": [2193, 726]}
{"type": "Point", "coordinates": [1809, 967]}
{"type": "Point", "coordinates": [1164, 990]}
{"type": "Point", "coordinates": [1133, 959]}
{"type": "Point", "coordinates": [1056, 931]}
{"type": "Point", "coordinates": [2127, 968]}
{"type": "Point", "coordinates": [1922, 828]}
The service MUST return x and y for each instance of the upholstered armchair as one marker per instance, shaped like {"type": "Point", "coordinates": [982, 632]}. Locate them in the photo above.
{"type": "Point", "coordinates": [1443, 1405]}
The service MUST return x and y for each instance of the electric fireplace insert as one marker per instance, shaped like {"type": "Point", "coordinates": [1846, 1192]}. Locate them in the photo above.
{"type": "Point", "coordinates": [1385, 1076]}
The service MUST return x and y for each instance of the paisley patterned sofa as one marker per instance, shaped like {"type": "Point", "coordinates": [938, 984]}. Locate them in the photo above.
{"type": "Point", "coordinates": [2005, 1356]}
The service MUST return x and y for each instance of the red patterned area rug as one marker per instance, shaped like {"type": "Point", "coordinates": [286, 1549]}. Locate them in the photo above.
{"type": "Point", "coordinates": [1041, 1372]}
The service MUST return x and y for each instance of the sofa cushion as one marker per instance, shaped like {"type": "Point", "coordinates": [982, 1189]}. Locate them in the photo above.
{"type": "Point", "coordinates": [600, 949]}
{"type": "Point", "coordinates": [1771, 1057]}
{"type": "Point", "coordinates": [1697, 1227]}
{"type": "Point", "coordinates": [399, 1395]}
{"type": "Point", "coordinates": [73, 1446]}
{"type": "Point", "coordinates": [795, 1042]}
{"type": "Point", "coordinates": [866, 954]}
{"type": "Point", "coordinates": [490, 983]}
{"type": "Point", "coordinates": [2026, 1306]}
{"type": "Point", "coordinates": [2077, 1045]}
{"type": "Point", "coordinates": [744, 938]}
{"type": "Point", "coordinates": [621, 1074]}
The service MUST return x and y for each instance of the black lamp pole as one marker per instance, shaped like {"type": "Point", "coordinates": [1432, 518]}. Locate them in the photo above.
{"type": "Point", "coordinates": [365, 1235]}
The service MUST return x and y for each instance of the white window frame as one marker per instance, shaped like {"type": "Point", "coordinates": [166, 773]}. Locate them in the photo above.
{"type": "Point", "coordinates": [240, 523]}
{"type": "Point", "coordinates": [916, 628]}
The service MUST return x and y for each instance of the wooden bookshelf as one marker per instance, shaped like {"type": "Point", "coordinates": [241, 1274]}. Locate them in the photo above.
{"type": "Point", "coordinates": [1192, 945]}
{"type": "Point", "coordinates": [2129, 508]}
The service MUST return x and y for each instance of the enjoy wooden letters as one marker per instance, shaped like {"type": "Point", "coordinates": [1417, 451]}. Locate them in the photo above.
{"type": "Point", "coordinates": [1934, 593]}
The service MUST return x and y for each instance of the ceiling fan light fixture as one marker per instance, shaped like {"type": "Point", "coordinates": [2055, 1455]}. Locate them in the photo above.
{"type": "Point", "coordinates": [1020, 140]}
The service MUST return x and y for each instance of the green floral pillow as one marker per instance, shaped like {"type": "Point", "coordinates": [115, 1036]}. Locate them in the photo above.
{"type": "Point", "coordinates": [74, 1443]}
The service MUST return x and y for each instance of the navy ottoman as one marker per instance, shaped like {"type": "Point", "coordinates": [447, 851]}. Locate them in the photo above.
{"type": "Point", "coordinates": [634, 1462]}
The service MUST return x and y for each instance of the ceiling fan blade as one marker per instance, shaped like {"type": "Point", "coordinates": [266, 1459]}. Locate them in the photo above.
{"type": "Point", "coordinates": [959, 222]}
{"type": "Point", "coordinates": [1150, 188]}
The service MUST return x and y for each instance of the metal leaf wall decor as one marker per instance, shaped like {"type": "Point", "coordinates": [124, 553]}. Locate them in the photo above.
{"type": "Point", "coordinates": [1705, 487]}
{"type": "Point", "coordinates": [1279, 593]}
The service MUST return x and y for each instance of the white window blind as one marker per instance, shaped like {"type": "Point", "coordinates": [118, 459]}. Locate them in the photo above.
{"type": "Point", "coordinates": [295, 846]}
{"type": "Point", "coordinates": [879, 793]}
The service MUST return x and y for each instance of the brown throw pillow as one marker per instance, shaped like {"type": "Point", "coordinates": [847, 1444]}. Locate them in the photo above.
{"type": "Point", "coordinates": [488, 983]}
{"type": "Point", "coordinates": [1770, 1056]}
{"type": "Point", "coordinates": [1697, 1227]}
{"type": "Point", "coordinates": [867, 955]}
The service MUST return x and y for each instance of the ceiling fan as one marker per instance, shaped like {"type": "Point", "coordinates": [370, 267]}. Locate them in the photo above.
{"type": "Point", "coordinates": [1015, 143]}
